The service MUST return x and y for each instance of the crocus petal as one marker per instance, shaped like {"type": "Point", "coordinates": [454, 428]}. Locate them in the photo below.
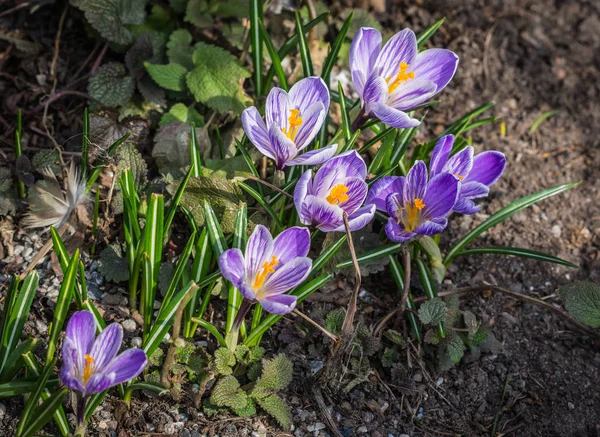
{"type": "Point", "coordinates": [314, 157]}
{"type": "Point", "coordinates": [99, 382]}
{"type": "Point", "coordinates": [323, 214]}
{"type": "Point", "coordinates": [375, 91]}
{"type": "Point", "coordinates": [487, 167]}
{"type": "Point", "coordinates": [347, 164]}
{"type": "Point", "coordinates": [466, 206]}
{"type": "Point", "coordinates": [72, 365]}
{"type": "Point", "coordinates": [357, 192]}
{"type": "Point", "coordinates": [396, 232]}
{"type": "Point", "coordinates": [280, 304]}
{"type": "Point", "coordinates": [412, 94]}
{"type": "Point", "coordinates": [442, 193]}
{"type": "Point", "coordinates": [308, 91]}
{"type": "Point", "coordinates": [283, 148]}
{"type": "Point", "coordinates": [359, 219]}
{"type": "Point", "coordinates": [287, 277]}
{"type": "Point", "coordinates": [402, 47]}
{"type": "Point", "coordinates": [258, 250]}
{"type": "Point", "coordinates": [393, 203]}
{"type": "Point", "coordinates": [432, 227]}
{"type": "Point", "coordinates": [71, 381]}
{"type": "Point", "coordinates": [473, 190]}
{"type": "Point", "coordinates": [107, 345]}
{"type": "Point", "coordinates": [127, 365]}
{"type": "Point", "coordinates": [416, 183]}
{"type": "Point", "coordinates": [277, 108]}
{"type": "Point", "coordinates": [364, 50]}
{"type": "Point", "coordinates": [437, 65]}
{"type": "Point", "coordinates": [291, 243]}
{"type": "Point", "coordinates": [441, 153]}
{"type": "Point", "coordinates": [393, 117]}
{"type": "Point", "coordinates": [231, 264]}
{"type": "Point", "coordinates": [382, 188]}
{"type": "Point", "coordinates": [302, 189]}
{"type": "Point", "coordinates": [460, 164]}
{"type": "Point", "coordinates": [312, 120]}
{"type": "Point", "coordinates": [256, 130]}
{"type": "Point", "coordinates": [81, 330]}
{"type": "Point", "coordinates": [247, 291]}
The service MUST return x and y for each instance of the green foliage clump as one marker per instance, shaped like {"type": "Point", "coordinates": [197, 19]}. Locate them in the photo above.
{"type": "Point", "coordinates": [112, 264]}
{"type": "Point", "coordinates": [582, 301]}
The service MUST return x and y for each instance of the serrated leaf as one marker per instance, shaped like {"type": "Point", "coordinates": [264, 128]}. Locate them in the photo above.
{"type": "Point", "coordinates": [185, 114]}
{"type": "Point", "coordinates": [248, 410]}
{"type": "Point", "coordinates": [128, 157]}
{"type": "Point", "coordinates": [224, 360]}
{"type": "Point", "coordinates": [277, 408]}
{"type": "Point", "coordinates": [277, 373]}
{"type": "Point", "coordinates": [433, 311]}
{"type": "Point", "coordinates": [471, 323]}
{"type": "Point", "coordinates": [432, 337]}
{"type": "Point", "coordinates": [179, 48]}
{"type": "Point", "coordinates": [170, 76]}
{"type": "Point", "coordinates": [480, 335]}
{"type": "Point", "coordinates": [110, 17]}
{"type": "Point", "coordinates": [151, 92]}
{"type": "Point", "coordinates": [111, 85]}
{"type": "Point", "coordinates": [227, 393]}
{"type": "Point", "coordinates": [394, 337]}
{"type": "Point", "coordinates": [112, 265]}
{"type": "Point", "coordinates": [452, 352]}
{"type": "Point", "coordinates": [140, 53]}
{"type": "Point", "coordinates": [582, 301]}
{"type": "Point", "coordinates": [334, 320]}
{"type": "Point", "coordinates": [223, 196]}
{"type": "Point", "coordinates": [217, 78]}
{"type": "Point", "coordinates": [197, 14]}
{"type": "Point", "coordinates": [45, 158]}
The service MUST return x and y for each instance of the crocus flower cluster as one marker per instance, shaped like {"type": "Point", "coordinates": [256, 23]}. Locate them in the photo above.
{"type": "Point", "coordinates": [270, 267]}
{"type": "Point", "coordinates": [91, 365]}
{"type": "Point", "coordinates": [292, 121]}
{"type": "Point", "coordinates": [338, 187]}
{"type": "Point", "coordinates": [397, 78]}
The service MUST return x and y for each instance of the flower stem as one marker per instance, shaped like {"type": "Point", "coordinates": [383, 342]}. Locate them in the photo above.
{"type": "Point", "coordinates": [359, 120]}
{"type": "Point", "coordinates": [81, 425]}
{"type": "Point", "coordinates": [232, 337]}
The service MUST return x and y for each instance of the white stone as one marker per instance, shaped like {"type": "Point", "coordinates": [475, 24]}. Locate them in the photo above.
{"type": "Point", "coordinates": [129, 325]}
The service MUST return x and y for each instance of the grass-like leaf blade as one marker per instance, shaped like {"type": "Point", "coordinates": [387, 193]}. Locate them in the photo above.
{"type": "Point", "coordinates": [307, 65]}
{"type": "Point", "coordinates": [517, 251]}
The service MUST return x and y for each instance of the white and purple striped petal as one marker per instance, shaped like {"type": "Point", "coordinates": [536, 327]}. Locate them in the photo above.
{"type": "Point", "coordinates": [291, 243]}
{"type": "Point", "coordinates": [232, 265]}
{"type": "Point", "coordinates": [382, 188]}
{"type": "Point", "coordinates": [287, 277]}
{"type": "Point", "coordinates": [364, 51]}
{"type": "Point", "coordinates": [487, 167]}
{"type": "Point", "coordinates": [279, 304]}
{"type": "Point", "coordinates": [436, 65]}
{"type": "Point", "coordinates": [314, 157]}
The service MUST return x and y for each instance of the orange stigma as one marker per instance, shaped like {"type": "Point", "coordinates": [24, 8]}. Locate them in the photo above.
{"type": "Point", "coordinates": [88, 369]}
{"type": "Point", "coordinates": [400, 78]}
{"type": "Point", "coordinates": [459, 176]}
{"type": "Point", "coordinates": [267, 268]}
{"type": "Point", "coordinates": [295, 121]}
{"type": "Point", "coordinates": [338, 194]}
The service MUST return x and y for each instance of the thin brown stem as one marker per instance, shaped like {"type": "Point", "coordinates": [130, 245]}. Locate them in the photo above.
{"type": "Point", "coordinates": [316, 325]}
{"type": "Point", "coordinates": [519, 296]}
{"type": "Point", "coordinates": [271, 186]}
{"type": "Point", "coordinates": [348, 325]}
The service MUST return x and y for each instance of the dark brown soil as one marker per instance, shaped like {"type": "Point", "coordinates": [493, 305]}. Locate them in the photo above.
{"type": "Point", "coordinates": [530, 57]}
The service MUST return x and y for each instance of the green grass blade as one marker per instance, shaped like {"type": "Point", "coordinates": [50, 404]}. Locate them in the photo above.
{"type": "Point", "coordinates": [148, 387]}
{"type": "Point", "coordinates": [211, 328]}
{"type": "Point", "coordinates": [307, 65]}
{"type": "Point", "coordinates": [250, 163]}
{"type": "Point", "coordinates": [153, 242]}
{"type": "Point", "coordinates": [241, 227]}
{"type": "Point", "coordinates": [302, 293]}
{"type": "Point", "coordinates": [93, 403]}
{"type": "Point", "coordinates": [402, 142]}
{"type": "Point", "coordinates": [217, 239]}
{"type": "Point", "coordinates": [23, 386]}
{"type": "Point", "coordinates": [45, 412]}
{"type": "Point", "coordinates": [382, 157]}
{"type": "Point", "coordinates": [326, 255]}
{"type": "Point", "coordinates": [16, 316]}
{"type": "Point", "coordinates": [504, 214]}
{"type": "Point", "coordinates": [346, 124]}
{"type": "Point", "coordinates": [195, 156]}
{"type": "Point", "coordinates": [429, 32]}
{"type": "Point", "coordinates": [262, 202]}
{"type": "Point", "coordinates": [33, 400]}
{"type": "Point", "coordinates": [377, 138]}
{"type": "Point", "coordinates": [332, 56]}
{"type": "Point", "coordinates": [275, 59]}
{"type": "Point", "coordinates": [65, 296]}
{"type": "Point", "coordinates": [517, 251]}
{"type": "Point", "coordinates": [176, 200]}
{"type": "Point", "coordinates": [256, 42]}
{"type": "Point", "coordinates": [19, 150]}
{"type": "Point", "coordinates": [545, 116]}
{"type": "Point", "coordinates": [372, 255]}
{"type": "Point", "coordinates": [181, 266]}
{"type": "Point", "coordinates": [15, 362]}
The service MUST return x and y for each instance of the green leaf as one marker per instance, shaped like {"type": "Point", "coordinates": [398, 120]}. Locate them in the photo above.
{"type": "Point", "coordinates": [128, 157]}
{"type": "Point", "coordinates": [110, 17]}
{"type": "Point", "coordinates": [197, 14]}
{"type": "Point", "coordinates": [45, 412]}
{"type": "Point", "coordinates": [275, 60]}
{"type": "Point", "coordinates": [517, 251]}
{"type": "Point", "coordinates": [452, 352]}
{"type": "Point", "coordinates": [217, 79]}
{"type": "Point", "coordinates": [42, 159]}
{"type": "Point", "coordinates": [332, 56]}
{"type": "Point", "coordinates": [277, 373]}
{"type": "Point", "coordinates": [502, 215]}
{"type": "Point", "coordinates": [172, 145]}
{"type": "Point", "coordinates": [582, 301]}
{"type": "Point", "coordinates": [307, 65]}
{"type": "Point", "coordinates": [429, 32]}
{"type": "Point", "coordinates": [169, 76]}
{"type": "Point", "coordinates": [433, 311]}
{"type": "Point", "coordinates": [277, 408]}
{"type": "Point", "coordinates": [33, 400]}
{"type": "Point", "coordinates": [23, 386]}
{"type": "Point", "coordinates": [227, 393]}
{"type": "Point", "coordinates": [110, 264]}
{"type": "Point", "coordinates": [221, 194]}
{"type": "Point", "coordinates": [256, 41]}
{"type": "Point", "coordinates": [111, 85]}
{"type": "Point", "coordinates": [182, 113]}
{"type": "Point", "coordinates": [224, 360]}
{"type": "Point", "coordinates": [179, 48]}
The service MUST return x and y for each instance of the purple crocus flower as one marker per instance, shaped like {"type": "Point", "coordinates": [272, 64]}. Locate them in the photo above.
{"type": "Point", "coordinates": [476, 173]}
{"type": "Point", "coordinates": [415, 206]}
{"type": "Point", "coordinates": [396, 78]}
{"type": "Point", "coordinates": [91, 365]}
{"type": "Point", "coordinates": [270, 267]}
{"type": "Point", "coordinates": [338, 187]}
{"type": "Point", "coordinates": [292, 121]}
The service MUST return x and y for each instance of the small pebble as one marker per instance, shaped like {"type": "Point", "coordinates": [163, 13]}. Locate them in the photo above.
{"type": "Point", "coordinates": [28, 251]}
{"type": "Point", "coordinates": [362, 430]}
{"type": "Point", "coordinates": [2, 411]}
{"type": "Point", "coordinates": [136, 342]}
{"type": "Point", "coordinates": [170, 428]}
{"type": "Point", "coordinates": [41, 326]}
{"type": "Point", "coordinates": [129, 325]}
{"type": "Point", "coordinates": [571, 405]}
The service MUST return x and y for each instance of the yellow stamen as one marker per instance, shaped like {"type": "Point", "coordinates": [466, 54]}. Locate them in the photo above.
{"type": "Point", "coordinates": [459, 176]}
{"type": "Point", "coordinates": [88, 369]}
{"type": "Point", "coordinates": [400, 78]}
{"type": "Point", "coordinates": [419, 204]}
{"type": "Point", "coordinates": [295, 121]}
{"type": "Point", "coordinates": [267, 267]}
{"type": "Point", "coordinates": [411, 215]}
{"type": "Point", "coordinates": [338, 194]}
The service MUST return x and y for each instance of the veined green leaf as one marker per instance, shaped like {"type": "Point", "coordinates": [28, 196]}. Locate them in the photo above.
{"type": "Point", "coordinates": [517, 251]}
{"type": "Point", "coordinates": [502, 215]}
{"type": "Point", "coordinates": [307, 65]}
{"type": "Point", "coordinates": [65, 296]}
